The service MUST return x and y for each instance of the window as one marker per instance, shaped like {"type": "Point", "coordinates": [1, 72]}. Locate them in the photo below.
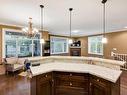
{"type": "Point", "coordinates": [11, 47]}
{"type": "Point", "coordinates": [16, 44]}
{"type": "Point", "coordinates": [59, 45]}
{"type": "Point", "coordinates": [95, 46]}
{"type": "Point", "coordinates": [24, 47]}
{"type": "Point", "coordinates": [37, 47]}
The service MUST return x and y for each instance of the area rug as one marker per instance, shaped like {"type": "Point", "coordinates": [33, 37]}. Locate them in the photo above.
{"type": "Point", "coordinates": [24, 74]}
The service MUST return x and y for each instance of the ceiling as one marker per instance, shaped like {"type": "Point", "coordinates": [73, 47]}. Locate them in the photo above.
{"type": "Point", "coordinates": [86, 16]}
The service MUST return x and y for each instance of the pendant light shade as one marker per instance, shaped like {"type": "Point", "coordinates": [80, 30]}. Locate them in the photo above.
{"type": "Point", "coordinates": [70, 40]}
{"type": "Point", "coordinates": [104, 39]}
{"type": "Point", "coordinates": [42, 41]}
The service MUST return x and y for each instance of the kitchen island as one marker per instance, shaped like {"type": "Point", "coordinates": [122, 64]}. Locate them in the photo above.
{"type": "Point", "coordinates": [113, 64]}
{"type": "Point", "coordinates": [61, 78]}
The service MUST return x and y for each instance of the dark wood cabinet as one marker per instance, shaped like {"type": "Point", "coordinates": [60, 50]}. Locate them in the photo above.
{"type": "Point", "coordinates": [99, 86]}
{"type": "Point", "coordinates": [96, 89]}
{"type": "Point", "coordinates": [71, 83]}
{"type": "Point", "coordinates": [44, 88]}
{"type": "Point", "coordinates": [70, 91]}
{"type": "Point", "coordinates": [44, 85]}
{"type": "Point", "coordinates": [46, 48]}
{"type": "Point", "coordinates": [68, 83]}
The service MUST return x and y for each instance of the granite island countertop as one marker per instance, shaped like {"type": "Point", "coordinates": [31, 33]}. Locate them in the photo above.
{"type": "Point", "coordinates": [115, 62]}
{"type": "Point", "coordinates": [112, 64]}
{"type": "Point", "coordinates": [102, 72]}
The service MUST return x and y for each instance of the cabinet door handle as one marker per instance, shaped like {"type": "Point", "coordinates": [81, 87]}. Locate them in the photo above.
{"type": "Point", "coordinates": [98, 80]}
{"type": "Point", "coordinates": [46, 76]}
{"type": "Point", "coordinates": [90, 84]}
{"type": "Point", "coordinates": [70, 84]}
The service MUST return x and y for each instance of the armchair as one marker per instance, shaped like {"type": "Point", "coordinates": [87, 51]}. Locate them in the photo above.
{"type": "Point", "coordinates": [13, 64]}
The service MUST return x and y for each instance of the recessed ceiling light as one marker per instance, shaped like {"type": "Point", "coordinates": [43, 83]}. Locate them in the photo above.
{"type": "Point", "coordinates": [75, 31]}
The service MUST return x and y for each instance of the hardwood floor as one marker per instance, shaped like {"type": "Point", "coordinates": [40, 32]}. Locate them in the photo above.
{"type": "Point", "coordinates": [2, 69]}
{"type": "Point", "coordinates": [17, 85]}
{"type": "Point", "coordinates": [14, 85]}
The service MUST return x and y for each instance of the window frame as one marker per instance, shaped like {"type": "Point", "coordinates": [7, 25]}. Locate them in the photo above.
{"type": "Point", "coordinates": [89, 46]}
{"type": "Point", "coordinates": [16, 30]}
{"type": "Point", "coordinates": [67, 47]}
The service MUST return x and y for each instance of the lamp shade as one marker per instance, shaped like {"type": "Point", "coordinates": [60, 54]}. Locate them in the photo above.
{"type": "Point", "coordinates": [42, 41]}
{"type": "Point", "coordinates": [70, 41]}
{"type": "Point", "coordinates": [104, 40]}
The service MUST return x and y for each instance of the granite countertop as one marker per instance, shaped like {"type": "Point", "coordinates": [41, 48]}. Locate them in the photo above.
{"type": "Point", "coordinates": [102, 72]}
{"type": "Point", "coordinates": [109, 61]}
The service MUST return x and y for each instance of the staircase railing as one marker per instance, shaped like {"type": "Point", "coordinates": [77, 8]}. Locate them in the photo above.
{"type": "Point", "coordinates": [120, 57]}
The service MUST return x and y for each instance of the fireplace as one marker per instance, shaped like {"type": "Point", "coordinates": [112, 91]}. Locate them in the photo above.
{"type": "Point", "coordinates": [75, 51]}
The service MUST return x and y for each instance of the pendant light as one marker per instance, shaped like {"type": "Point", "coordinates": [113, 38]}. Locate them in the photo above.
{"type": "Point", "coordinates": [42, 40]}
{"type": "Point", "coordinates": [104, 39]}
{"type": "Point", "coordinates": [70, 40]}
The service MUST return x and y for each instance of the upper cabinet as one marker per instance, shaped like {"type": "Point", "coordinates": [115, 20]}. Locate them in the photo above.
{"type": "Point", "coordinates": [45, 35]}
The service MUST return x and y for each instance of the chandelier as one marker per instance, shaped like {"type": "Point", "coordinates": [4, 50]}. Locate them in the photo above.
{"type": "Point", "coordinates": [30, 31]}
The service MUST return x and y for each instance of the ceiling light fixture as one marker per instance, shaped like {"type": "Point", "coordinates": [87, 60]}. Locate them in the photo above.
{"type": "Point", "coordinates": [30, 31]}
{"type": "Point", "coordinates": [125, 27]}
{"type": "Point", "coordinates": [75, 31]}
{"type": "Point", "coordinates": [104, 39]}
{"type": "Point", "coordinates": [70, 40]}
{"type": "Point", "coordinates": [42, 41]}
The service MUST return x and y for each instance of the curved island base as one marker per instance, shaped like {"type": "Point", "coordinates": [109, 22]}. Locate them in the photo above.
{"type": "Point", "coordinates": [68, 83]}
